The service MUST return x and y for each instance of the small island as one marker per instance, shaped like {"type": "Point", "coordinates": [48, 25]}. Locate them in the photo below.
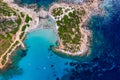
{"type": "Point", "coordinates": [70, 21]}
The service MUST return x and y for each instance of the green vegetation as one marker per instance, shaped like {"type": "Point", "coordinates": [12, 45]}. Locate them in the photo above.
{"type": "Point", "coordinates": [5, 42]}
{"type": "Point", "coordinates": [15, 30]}
{"type": "Point", "coordinates": [19, 21]}
{"type": "Point", "coordinates": [15, 43]}
{"type": "Point", "coordinates": [27, 25]}
{"type": "Point", "coordinates": [4, 59]}
{"type": "Point", "coordinates": [69, 30]}
{"type": "Point", "coordinates": [66, 26]}
{"type": "Point", "coordinates": [5, 10]}
{"type": "Point", "coordinates": [13, 46]}
{"type": "Point", "coordinates": [28, 19]}
{"type": "Point", "coordinates": [9, 37]}
{"type": "Point", "coordinates": [4, 24]}
{"type": "Point", "coordinates": [24, 27]}
{"type": "Point", "coordinates": [23, 30]}
{"type": "Point", "coordinates": [22, 34]}
{"type": "Point", "coordinates": [22, 14]}
{"type": "Point", "coordinates": [57, 11]}
{"type": "Point", "coordinates": [10, 22]}
{"type": "Point", "coordinates": [66, 10]}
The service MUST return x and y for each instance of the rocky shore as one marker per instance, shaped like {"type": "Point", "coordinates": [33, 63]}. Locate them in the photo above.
{"type": "Point", "coordinates": [45, 19]}
{"type": "Point", "coordinates": [91, 8]}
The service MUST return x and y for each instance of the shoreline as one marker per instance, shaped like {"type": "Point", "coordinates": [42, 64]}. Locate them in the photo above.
{"type": "Point", "coordinates": [85, 47]}
{"type": "Point", "coordinates": [41, 15]}
{"type": "Point", "coordinates": [18, 40]}
{"type": "Point", "coordinates": [35, 24]}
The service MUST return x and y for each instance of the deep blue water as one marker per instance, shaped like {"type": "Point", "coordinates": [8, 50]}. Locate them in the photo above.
{"type": "Point", "coordinates": [105, 64]}
{"type": "Point", "coordinates": [38, 62]}
{"type": "Point", "coordinates": [40, 3]}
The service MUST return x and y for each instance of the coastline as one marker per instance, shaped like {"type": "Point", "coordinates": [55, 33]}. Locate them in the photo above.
{"type": "Point", "coordinates": [63, 54]}
{"type": "Point", "coordinates": [41, 15]}
{"type": "Point", "coordinates": [91, 10]}
{"type": "Point", "coordinates": [33, 24]}
{"type": "Point", "coordinates": [39, 18]}
{"type": "Point", "coordinates": [47, 64]}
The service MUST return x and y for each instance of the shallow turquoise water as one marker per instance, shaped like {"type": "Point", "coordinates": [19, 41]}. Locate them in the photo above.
{"type": "Point", "coordinates": [40, 63]}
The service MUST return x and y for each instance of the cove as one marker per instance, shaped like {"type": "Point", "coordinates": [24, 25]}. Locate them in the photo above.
{"type": "Point", "coordinates": [41, 63]}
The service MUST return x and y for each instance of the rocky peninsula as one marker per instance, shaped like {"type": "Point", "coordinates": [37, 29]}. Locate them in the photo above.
{"type": "Point", "coordinates": [70, 21]}
{"type": "Point", "coordinates": [71, 24]}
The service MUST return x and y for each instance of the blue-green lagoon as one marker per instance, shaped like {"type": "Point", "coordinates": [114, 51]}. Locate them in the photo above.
{"type": "Point", "coordinates": [41, 63]}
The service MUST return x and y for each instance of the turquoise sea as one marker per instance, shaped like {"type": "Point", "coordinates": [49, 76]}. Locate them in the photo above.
{"type": "Point", "coordinates": [39, 62]}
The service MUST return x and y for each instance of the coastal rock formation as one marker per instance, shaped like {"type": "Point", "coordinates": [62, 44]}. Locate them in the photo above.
{"type": "Point", "coordinates": [71, 21]}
